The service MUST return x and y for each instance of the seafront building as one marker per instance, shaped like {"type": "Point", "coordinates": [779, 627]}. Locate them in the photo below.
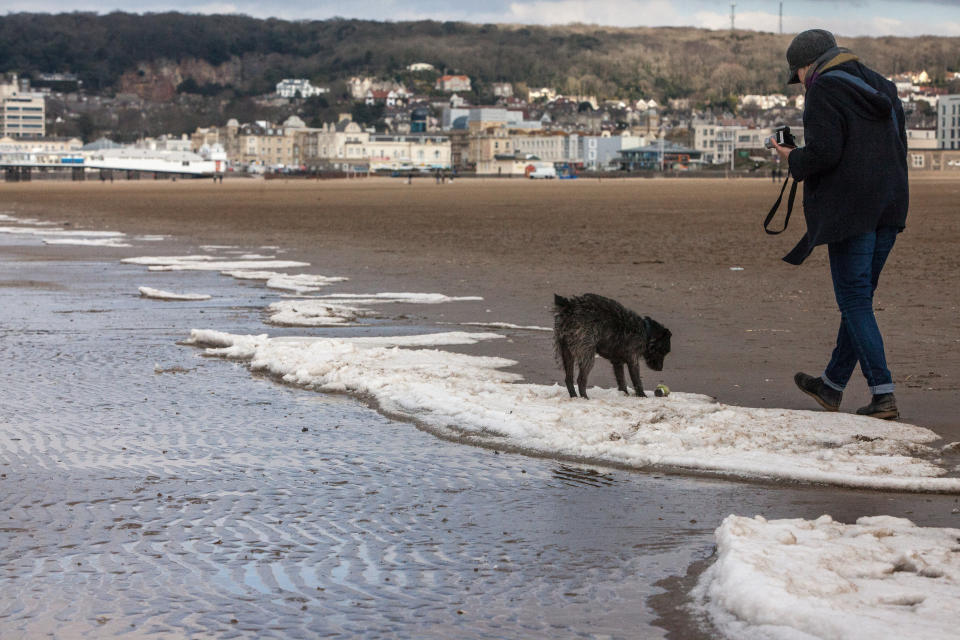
{"type": "Point", "coordinates": [948, 122]}
{"type": "Point", "coordinates": [22, 112]}
{"type": "Point", "coordinates": [342, 146]}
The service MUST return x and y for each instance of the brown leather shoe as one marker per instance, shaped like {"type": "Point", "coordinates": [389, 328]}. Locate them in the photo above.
{"type": "Point", "coordinates": [883, 406]}
{"type": "Point", "coordinates": [828, 397]}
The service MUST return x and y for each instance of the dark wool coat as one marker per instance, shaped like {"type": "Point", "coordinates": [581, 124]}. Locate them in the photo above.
{"type": "Point", "coordinates": [854, 163]}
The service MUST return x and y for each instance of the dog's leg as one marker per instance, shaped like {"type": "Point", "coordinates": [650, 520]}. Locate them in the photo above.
{"type": "Point", "coordinates": [635, 378]}
{"type": "Point", "coordinates": [621, 383]}
{"type": "Point", "coordinates": [585, 367]}
{"type": "Point", "coordinates": [567, 357]}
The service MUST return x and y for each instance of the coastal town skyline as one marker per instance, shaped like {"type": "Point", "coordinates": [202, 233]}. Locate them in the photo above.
{"type": "Point", "coordinates": [860, 18]}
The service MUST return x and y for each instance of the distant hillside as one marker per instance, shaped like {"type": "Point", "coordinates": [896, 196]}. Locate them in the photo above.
{"type": "Point", "coordinates": [247, 56]}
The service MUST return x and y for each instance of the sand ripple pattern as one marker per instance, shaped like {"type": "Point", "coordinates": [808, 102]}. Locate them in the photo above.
{"type": "Point", "coordinates": [146, 491]}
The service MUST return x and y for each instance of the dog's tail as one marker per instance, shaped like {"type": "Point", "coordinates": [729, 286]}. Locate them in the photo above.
{"type": "Point", "coordinates": [560, 303]}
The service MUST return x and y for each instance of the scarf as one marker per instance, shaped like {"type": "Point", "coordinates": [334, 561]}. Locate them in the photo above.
{"type": "Point", "coordinates": [827, 60]}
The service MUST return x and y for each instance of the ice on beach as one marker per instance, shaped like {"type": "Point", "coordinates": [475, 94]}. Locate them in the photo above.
{"type": "Point", "coordinates": [6, 217]}
{"type": "Point", "coordinates": [299, 283]}
{"type": "Point", "coordinates": [343, 309]}
{"type": "Point", "coordinates": [314, 313]}
{"type": "Point", "coordinates": [473, 398]}
{"type": "Point", "coordinates": [88, 242]}
{"type": "Point", "coordinates": [882, 577]}
{"type": "Point", "coordinates": [209, 263]}
{"type": "Point", "coordinates": [61, 236]}
{"type": "Point", "coordinates": [412, 298]}
{"type": "Point", "coordinates": [158, 294]}
{"type": "Point", "coordinates": [505, 325]}
{"type": "Point", "coordinates": [61, 233]}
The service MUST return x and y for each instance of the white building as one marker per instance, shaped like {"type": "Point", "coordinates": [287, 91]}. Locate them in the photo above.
{"type": "Point", "coordinates": [449, 84]}
{"type": "Point", "coordinates": [166, 143]}
{"type": "Point", "coordinates": [765, 102]}
{"type": "Point", "coordinates": [390, 98]}
{"type": "Point", "coordinates": [599, 153]}
{"type": "Point", "coordinates": [948, 122]}
{"type": "Point", "coordinates": [22, 113]}
{"type": "Point", "coordinates": [467, 117]}
{"type": "Point", "coordinates": [346, 145]}
{"type": "Point", "coordinates": [921, 138]}
{"type": "Point", "coordinates": [705, 140]}
{"type": "Point", "coordinates": [718, 142]}
{"type": "Point", "coordinates": [545, 93]}
{"type": "Point", "coordinates": [402, 152]}
{"type": "Point", "coordinates": [546, 147]}
{"type": "Point", "coordinates": [298, 88]}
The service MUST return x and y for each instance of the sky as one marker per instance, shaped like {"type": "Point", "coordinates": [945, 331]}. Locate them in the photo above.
{"type": "Point", "coordinates": [850, 18]}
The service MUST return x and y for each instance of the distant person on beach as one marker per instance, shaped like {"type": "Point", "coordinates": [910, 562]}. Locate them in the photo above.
{"type": "Point", "coordinates": [855, 197]}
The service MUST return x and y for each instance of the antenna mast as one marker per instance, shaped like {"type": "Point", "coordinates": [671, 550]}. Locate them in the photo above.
{"type": "Point", "coordinates": [733, 6]}
{"type": "Point", "coordinates": [781, 17]}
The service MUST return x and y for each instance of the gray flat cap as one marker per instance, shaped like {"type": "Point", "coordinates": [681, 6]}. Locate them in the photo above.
{"type": "Point", "coordinates": [806, 48]}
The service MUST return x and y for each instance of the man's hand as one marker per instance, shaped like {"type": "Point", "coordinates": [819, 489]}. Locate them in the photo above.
{"type": "Point", "coordinates": [782, 151]}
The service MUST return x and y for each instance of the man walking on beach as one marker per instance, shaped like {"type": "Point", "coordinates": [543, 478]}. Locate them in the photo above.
{"type": "Point", "coordinates": [855, 199]}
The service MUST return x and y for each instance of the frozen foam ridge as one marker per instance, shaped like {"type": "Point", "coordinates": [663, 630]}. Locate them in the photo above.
{"type": "Point", "coordinates": [882, 577]}
{"type": "Point", "coordinates": [299, 283]}
{"type": "Point", "coordinates": [387, 297]}
{"type": "Point", "coordinates": [473, 398]}
{"type": "Point", "coordinates": [158, 294]}
{"type": "Point", "coordinates": [314, 313]}
{"type": "Point", "coordinates": [342, 310]}
{"type": "Point", "coordinates": [209, 263]}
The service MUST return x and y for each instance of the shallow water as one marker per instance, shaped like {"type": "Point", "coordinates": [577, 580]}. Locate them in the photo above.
{"type": "Point", "coordinates": [147, 490]}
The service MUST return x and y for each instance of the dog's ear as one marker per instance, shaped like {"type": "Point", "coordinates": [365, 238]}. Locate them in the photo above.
{"type": "Point", "coordinates": [647, 328]}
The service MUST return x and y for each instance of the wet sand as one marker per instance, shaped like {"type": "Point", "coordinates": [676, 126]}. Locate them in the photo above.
{"type": "Point", "coordinates": [662, 247]}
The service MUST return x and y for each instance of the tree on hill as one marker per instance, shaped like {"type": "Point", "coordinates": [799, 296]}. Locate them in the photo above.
{"type": "Point", "coordinates": [251, 55]}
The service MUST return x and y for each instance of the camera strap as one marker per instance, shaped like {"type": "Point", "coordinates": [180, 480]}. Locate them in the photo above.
{"type": "Point", "coordinates": [776, 205]}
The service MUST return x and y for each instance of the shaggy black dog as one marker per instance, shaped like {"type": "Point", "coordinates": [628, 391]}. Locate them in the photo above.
{"type": "Point", "coordinates": [587, 325]}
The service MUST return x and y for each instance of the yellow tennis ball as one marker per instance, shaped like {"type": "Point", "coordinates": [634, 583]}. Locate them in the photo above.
{"type": "Point", "coordinates": [661, 391]}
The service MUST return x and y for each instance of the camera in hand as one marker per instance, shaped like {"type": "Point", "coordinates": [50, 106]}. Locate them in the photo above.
{"type": "Point", "coordinates": [783, 137]}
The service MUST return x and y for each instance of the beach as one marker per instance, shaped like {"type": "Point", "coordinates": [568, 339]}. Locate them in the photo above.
{"type": "Point", "coordinates": [249, 409]}
{"type": "Point", "coordinates": [690, 253]}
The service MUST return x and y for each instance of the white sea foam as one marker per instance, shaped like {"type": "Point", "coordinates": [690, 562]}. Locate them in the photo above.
{"type": "Point", "coordinates": [505, 325]}
{"type": "Point", "coordinates": [314, 313]}
{"type": "Point", "coordinates": [62, 233]}
{"type": "Point", "coordinates": [26, 221]}
{"type": "Point", "coordinates": [882, 577]}
{"type": "Point", "coordinates": [159, 294]}
{"type": "Point", "coordinates": [343, 309]}
{"type": "Point", "coordinates": [66, 236]}
{"type": "Point", "coordinates": [415, 298]}
{"type": "Point", "coordinates": [300, 283]}
{"type": "Point", "coordinates": [89, 242]}
{"type": "Point", "coordinates": [209, 263]}
{"type": "Point", "coordinates": [473, 397]}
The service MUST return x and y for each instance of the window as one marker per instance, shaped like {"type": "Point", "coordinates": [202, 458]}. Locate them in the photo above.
{"type": "Point", "coordinates": [917, 159]}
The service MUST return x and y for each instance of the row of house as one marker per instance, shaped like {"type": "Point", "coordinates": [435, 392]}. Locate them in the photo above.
{"type": "Point", "coordinates": [343, 145]}
{"type": "Point", "coordinates": [493, 141]}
